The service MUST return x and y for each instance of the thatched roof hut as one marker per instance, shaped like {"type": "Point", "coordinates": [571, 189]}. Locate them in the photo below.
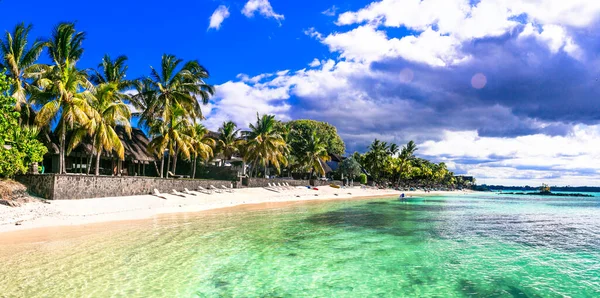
{"type": "Point", "coordinates": [135, 147]}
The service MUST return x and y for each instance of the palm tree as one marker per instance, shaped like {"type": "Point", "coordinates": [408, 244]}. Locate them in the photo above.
{"type": "Point", "coordinates": [228, 141]}
{"type": "Point", "coordinates": [64, 91]}
{"type": "Point", "coordinates": [115, 72]}
{"type": "Point", "coordinates": [109, 112]}
{"type": "Point", "coordinates": [110, 106]}
{"type": "Point", "coordinates": [172, 136]}
{"type": "Point", "coordinates": [266, 146]}
{"type": "Point", "coordinates": [19, 60]}
{"type": "Point", "coordinates": [316, 153]}
{"type": "Point", "coordinates": [201, 144]}
{"type": "Point", "coordinates": [175, 87]}
{"type": "Point", "coordinates": [407, 154]}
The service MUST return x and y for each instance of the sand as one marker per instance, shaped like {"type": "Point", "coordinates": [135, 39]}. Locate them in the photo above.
{"type": "Point", "coordinates": [90, 211]}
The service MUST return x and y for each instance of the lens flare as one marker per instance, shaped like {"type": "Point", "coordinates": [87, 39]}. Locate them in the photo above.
{"type": "Point", "coordinates": [478, 81]}
{"type": "Point", "coordinates": [406, 75]}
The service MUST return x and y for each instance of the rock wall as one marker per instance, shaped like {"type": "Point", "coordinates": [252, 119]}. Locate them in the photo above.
{"type": "Point", "coordinates": [75, 187]}
{"type": "Point", "coordinates": [41, 185]}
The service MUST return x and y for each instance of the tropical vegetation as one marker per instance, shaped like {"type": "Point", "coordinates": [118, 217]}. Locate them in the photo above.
{"type": "Point", "coordinates": [95, 108]}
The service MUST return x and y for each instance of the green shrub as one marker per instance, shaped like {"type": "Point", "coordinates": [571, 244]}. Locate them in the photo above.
{"type": "Point", "coordinates": [362, 178]}
{"type": "Point", "coordinates": [19, 146]}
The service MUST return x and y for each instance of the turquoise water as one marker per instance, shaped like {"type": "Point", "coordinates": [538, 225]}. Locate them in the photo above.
{"type": "Point", "coordinates": [483, 245]}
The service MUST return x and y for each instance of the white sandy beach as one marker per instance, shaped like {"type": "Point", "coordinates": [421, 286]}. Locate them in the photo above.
{"type": "Point", "coordinates": [88, 211]}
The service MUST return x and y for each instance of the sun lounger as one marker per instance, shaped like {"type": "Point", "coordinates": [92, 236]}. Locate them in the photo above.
{"type": "Point", "coordinates": [193, 193]}
{"type": "Point", "coordinates": [176, 193]}
{"type": "Point", "coordinates": [204, 190]}
{"type": "Point", "coordinates": [177, 176]}
{"type": "Point", "coordinates": [213, 188]}
{"type": "Point", "coordinates": [226, 189]}
{"type": "Point", "coordinates": [271, 189]}
{"type": "Point", "coordinates": [282, 186]}
{"type": "Point", "coordinates": [158, 194]}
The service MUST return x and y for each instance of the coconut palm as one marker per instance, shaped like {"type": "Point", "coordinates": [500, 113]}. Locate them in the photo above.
{"type": "Point", "coordinates": [19, 61]}
{"type": "Point", "coordinates": [109, 112]}
{"type": "Point", "coordinates": [172, 136]}
{"type": "Point", "coordinates": [113, 72]}
{"type": "Point", "coordinates": [201, 144]}
{"type": "Point", "coordinates": [64, 91]}
{"type": "Point", "coordinates": [266, 146]}
{"type": "Point", "coordinates": [316, 154]}
{"type": "Point", "coordinates": [228, 140]}
{"type": "Point", "coordinates": [177, 88]}
{"type": "Point", "coordinates": [110, 106]}
{"type": "Point", "coordinates": [407, 154]}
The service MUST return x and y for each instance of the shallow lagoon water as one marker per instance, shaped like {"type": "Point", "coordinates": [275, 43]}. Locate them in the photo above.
{"type": "Point", "coordinates": [481, 245]}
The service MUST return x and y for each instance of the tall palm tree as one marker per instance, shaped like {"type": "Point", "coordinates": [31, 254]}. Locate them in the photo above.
{"type": "Point", "coordinates": [201, 145]}
{"type": "Point", "coordinates": [172, 136]}
{"type": "Point", "coordinates": [109, 112]}
{"type": "Point", "coordinates": [228, 140]}
{"type": "Point", "coordinates": [266, 146]}
{"type": "Point", "coordinates": [110, 106]}
{"type": "Point", "coordinates": [316, 154]}
{"type": "Point", "coordinates": [177, 87]}
{"type": "Point", "coordinates": [407, 154]}
{"type": "Point", "coordinates": [19, 60]}
{"type": "Point", "coordinates": [64, 91]}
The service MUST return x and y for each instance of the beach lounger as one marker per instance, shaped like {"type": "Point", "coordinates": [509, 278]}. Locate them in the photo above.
{"type": "Point", "coordinates": [176, 193]}
{"type": "Point", "coordinates": [271, 188]}
{"type": "Point", "coordinates": [193, 193]}
{"type": "Point", "coordinates": [204, 190]}
{"type": "Point", "coordinates": [226, 189]}
{"type": "Point", "coordinates": [282, 186]}
{"type": "Point", "coordinates": [177, 176]}
{"type": "Point", "coordinates": [158, 194]}
{"type": "Point", "coordinates": [213, 188]}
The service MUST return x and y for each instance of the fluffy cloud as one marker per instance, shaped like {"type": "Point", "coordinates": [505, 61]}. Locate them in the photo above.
{"type": "Point", "coordinates": [263, 7]}
{"type": "Point", "coordinates": [522, 159]}
{"type": "Point", "coordinates": [239, 102]}
{"type": "Point", "coordinates": [217, 18]}
{"type": "Point", "coordinates": [540, 94]}
{"type": "Point", "coordinates": [331, 11]}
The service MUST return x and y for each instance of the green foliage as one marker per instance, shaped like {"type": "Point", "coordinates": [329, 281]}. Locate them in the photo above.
{"type": "Point", "coordinates": [362, 178]}
{"type": "Point", "coordinates": [18, 145]}
{"type": "Point", "coordinates": [350, 168]}
{"type": "Point", "coordinates": [300, 132]}
{"type": "Point", "coordinates": [545, 188]}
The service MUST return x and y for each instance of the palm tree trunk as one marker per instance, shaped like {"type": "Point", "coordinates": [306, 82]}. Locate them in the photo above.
{"type": "Point", "coordinates": [89, 162]}
{"type": "Point", "coordinates": [195, 164]}
{"type": "Point", "coordinates": [266, 168]}
{"type": "Point", "coordinates": [168, 163]}
{"type": "Point", "coordinates": [61, 167]}
{"type": "Point", "coordinates": [175, 162]}
{"type": "Point", "coordinates": [98, 155]}
{"type": "Point", "coordinates": [162, 165]}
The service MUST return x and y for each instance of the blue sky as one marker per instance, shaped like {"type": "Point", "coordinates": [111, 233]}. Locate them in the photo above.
{"type": "Point", "coordinates": [508, 91]}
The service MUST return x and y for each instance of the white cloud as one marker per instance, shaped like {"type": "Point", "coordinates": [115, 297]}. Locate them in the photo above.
{"type": "Point", "coordinates": [331, 11]}
{"type": "Point", "coordinates": [315, 63]}
{"type": "Point", "coordinates": [525, 158]}
{"type": "Point", "coordinates": [555, 37]}
{"type": "Point", "coordinates": [239, 102]}
{"type": "Point", "coordinates": [312, 32]}
{"type": "Point", "coordinates": [459, 22]}
{"type": "Point", "coordinates": [217, 18]}
{"type": "Point", "coordinates": [365, 43]}
{"type": "Point", "coordinates": [263, 7]}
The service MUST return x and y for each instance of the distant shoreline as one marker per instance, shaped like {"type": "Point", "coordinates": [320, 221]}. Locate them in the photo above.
{"type": "Point", "coordinates": [105, 210]}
